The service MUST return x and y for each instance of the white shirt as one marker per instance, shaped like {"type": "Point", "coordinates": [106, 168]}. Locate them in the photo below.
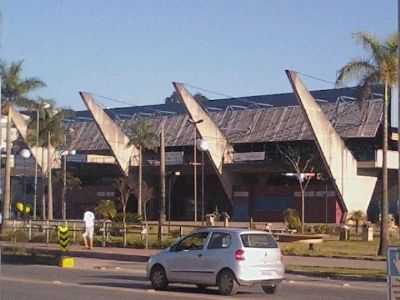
{"type": "Point", "coordinates": [88, 218]}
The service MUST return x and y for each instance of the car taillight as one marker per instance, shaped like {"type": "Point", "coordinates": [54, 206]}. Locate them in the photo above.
{"type": "Point", "coordinates": [239, 254]}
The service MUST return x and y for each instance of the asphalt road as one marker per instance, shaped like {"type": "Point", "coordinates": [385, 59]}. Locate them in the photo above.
{"type": "Point", "coordinates": [51, 282]}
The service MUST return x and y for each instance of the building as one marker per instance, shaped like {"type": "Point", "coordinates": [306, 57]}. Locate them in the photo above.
{"type": "Point", "coordinates": [250, 177]}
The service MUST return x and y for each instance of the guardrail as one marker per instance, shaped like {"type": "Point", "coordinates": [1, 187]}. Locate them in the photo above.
{"type": "Point", "coordinates": [104, 228]}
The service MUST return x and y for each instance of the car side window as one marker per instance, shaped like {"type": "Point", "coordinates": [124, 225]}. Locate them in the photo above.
{"type": "Point", "coordinates": [193, 242]}
{"type": "Point", "coordinates": [219, 240]}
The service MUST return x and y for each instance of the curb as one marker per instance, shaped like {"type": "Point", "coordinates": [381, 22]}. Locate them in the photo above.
{"type": "Point", "coordinates": [340, 257]}
{"type": "Point", "coordinates": [83, 254]}
{"type": "Point", "coordinates": [337, 277]}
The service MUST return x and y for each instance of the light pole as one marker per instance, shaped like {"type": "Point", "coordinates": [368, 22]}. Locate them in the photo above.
{"type": "Point", "coordinates": [25, 154]}
{"type": "Point", "coordinates": [172, 176]}
{"type": "Point", "coordinates": [43, 105]}
{"type": "Point", "coordinates": [64, 155]}
{"type": "Point", "coordinates": [195, 165]}
{"type": "Point", "coordinates": [203, 147]}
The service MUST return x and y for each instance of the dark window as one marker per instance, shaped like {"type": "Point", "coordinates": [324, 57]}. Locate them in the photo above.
{"type": "Point", "coordinates": [193, 242]}
{"type": "Point", "coordinates": [258, 241]}
{"type": "Point", "coordinates": [219, 240]}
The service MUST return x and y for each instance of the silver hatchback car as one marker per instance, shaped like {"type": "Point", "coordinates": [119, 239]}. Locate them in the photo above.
{"type": "Point", "coordinates": [222, 257]}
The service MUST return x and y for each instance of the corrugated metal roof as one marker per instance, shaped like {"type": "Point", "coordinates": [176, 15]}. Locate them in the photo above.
{"type": "Point", "coordinates": [274, 124]}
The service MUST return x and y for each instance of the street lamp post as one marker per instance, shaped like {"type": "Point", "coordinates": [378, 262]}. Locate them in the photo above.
{"type": "Point", "coordinates": [25, 154]}
{"type": "Point", "coordinates": [203, 147]}
{"type": "Point", "coordinates": [195, 165]}
{"type": "Point", "coordinates": [171, 178]}
{"type": "Point", "coordinates": [64, 155]}
{"type": "Point", "coordinates": [43, 105]}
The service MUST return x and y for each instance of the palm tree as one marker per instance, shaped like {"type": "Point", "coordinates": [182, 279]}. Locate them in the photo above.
{"type": "Point", "coordinates": [357, 217]}
{"type": "Point", "coordinates": [142, 135]}
{"type": "Point", "coordinates": [51, 134]}
{"type": "Point", "coordinates": [14, 89]}
{"type": "Point", "coordinates": [380, 67]}
{"type": "Point", "coordinates": [106, 209]}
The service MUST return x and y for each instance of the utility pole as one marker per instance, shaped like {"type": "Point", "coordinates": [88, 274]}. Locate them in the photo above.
{"type": "Point", "coordinates": [7, 181]}
{"type": "Point", "coordinates": [398, 106]}
{"type": "Point", "coordinates": [1, 150]}
{"type": "Point", "coordinates": [162, 183]}
{"type": "Point", "coordinates": [36, 166]}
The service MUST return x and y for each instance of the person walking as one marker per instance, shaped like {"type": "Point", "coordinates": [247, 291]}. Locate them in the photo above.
{"type": "Point", "coordinates": [88, 218]}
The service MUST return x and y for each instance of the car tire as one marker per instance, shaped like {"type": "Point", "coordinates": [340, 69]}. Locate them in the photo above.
{"type": "Point", "coordinates": [158, 278]}
{"type": "Point", "coordinates": [269, 289]}
{"type": "Point", "coordinates": [227, 284]}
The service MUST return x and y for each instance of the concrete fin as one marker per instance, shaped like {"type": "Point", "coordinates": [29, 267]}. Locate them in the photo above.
{"type": "Point", "coordinates": [220, 151]}
{"type": "Point", "coordinates": [22, 127]}
{"type": "Point", "coordinates": [354, 190]}
{"type": "Point", "coordinates": [113, 135]}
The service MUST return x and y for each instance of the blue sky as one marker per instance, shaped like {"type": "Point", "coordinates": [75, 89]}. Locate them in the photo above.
{"type": "Point", "coordinates": [133, 50]}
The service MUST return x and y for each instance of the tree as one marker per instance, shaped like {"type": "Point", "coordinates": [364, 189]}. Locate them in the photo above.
{"type": "Point", "coordinates": [357, 217]}
{"type": "Point", "coordinates": [14, 89]}
{"type": "Point", "coordinates": [142, 135]}
{"type": "Point", "coordinates": [379, 68]}
{"type": "Point", "coordinates": [71, 182]}
{"type": "Point", "coordinates": [106, 209]}
{"type": "Point", "coordinates": [147, 194]}
{"type": "Point", "coordinates": [124, 186]}
{"type": "Point", "coordinates": [301, 160]}
{"type": "Point", "coordinates": [51, 134]}
{"type": "Point", "coordinates": [175, 99]}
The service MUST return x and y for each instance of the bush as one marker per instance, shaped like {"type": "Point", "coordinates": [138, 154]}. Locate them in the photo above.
{"type": "Point", "coordinates": [164, 244]}
{"type": "Point", "coordinates": [292, 219]}
{"type": "Point", "coordinates": [130, 218]}
{"type": "Point", "coordinates": [19, 235]}
{"type": "Point", "coordinates": [138, 244]}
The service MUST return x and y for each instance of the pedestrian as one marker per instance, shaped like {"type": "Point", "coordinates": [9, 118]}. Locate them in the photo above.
{"type": "Point", "coordinates": [88, 218]}
{"type": "Point", "coordinates": [1, 220]}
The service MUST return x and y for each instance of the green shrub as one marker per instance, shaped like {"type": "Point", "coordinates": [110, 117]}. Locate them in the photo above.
{"type": "Point", "coordinates": [292, 219]}
{"type": "Point", "coordinates": [130, 218]}
{"type": "Point", "coordinates": [138, 244]}
{"type": "Point", "coordinates": [19, 235]}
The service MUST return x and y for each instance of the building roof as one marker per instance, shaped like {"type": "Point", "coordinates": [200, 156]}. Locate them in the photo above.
{"type": "Point", "coordinates": [251, 125]}
{"type": "Point", "coordinates": [258, 101]}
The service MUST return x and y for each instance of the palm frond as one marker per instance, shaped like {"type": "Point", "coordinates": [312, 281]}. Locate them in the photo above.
{"type": "Point", "coordinates": [370, 43]}
{"type": "Point", "coordinates": [354, 70]}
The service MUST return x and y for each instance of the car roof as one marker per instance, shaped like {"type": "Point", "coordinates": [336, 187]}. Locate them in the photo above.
{"type": "Point", "coordinates": [230, 229]}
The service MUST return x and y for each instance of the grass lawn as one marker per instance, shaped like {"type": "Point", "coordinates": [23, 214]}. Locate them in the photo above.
{"type": "Point", "coordinates": [330, 248]}
{"type": "Point", "coordinates": [337, 272]}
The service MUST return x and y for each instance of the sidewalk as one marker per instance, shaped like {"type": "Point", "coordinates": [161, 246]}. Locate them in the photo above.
{"type": "Point", "coordinates": [142, 255]}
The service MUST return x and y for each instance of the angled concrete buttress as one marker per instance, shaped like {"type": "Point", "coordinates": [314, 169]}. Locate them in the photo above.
{"type": "Point", "coordinates": [22, 127]}
{"type": "Point", "coordinates": [220, 151]}
{"type": "Point", "coordinates": [113, 135]}
{"type": "Point", "coordinates": [354, 190]}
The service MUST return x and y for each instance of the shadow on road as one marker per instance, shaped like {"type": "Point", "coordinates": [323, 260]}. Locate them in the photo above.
{"type": "Point", "coordinates": [140, 282]}
{"type": "Point", "coordinates": [11, 259]}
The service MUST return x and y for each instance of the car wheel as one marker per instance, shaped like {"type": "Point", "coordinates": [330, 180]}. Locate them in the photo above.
{"type": "Point", "coordinates": [269, 289]}
{"type": "Point", "coordinates": [227, 284]}
{"type": "Point", "coordinates": [158, 278]}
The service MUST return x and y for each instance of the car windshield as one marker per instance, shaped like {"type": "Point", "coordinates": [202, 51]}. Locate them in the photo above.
{"type": "Point", "coordinates": [258, 241]}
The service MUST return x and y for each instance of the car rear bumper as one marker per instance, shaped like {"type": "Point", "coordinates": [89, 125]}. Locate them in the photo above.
{"type": "Point", "coordinates": [249, 276]}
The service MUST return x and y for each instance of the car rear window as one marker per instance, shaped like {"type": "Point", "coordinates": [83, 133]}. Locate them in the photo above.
{"type": "Point", "coordinates": [258, 241]}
